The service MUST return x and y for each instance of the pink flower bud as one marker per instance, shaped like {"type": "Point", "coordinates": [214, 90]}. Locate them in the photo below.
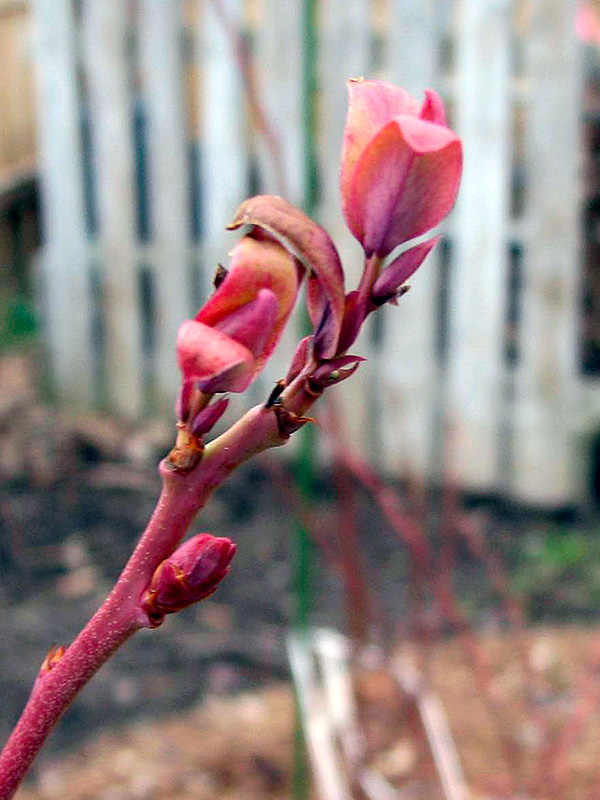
{"type": "Point", "coordinates": [209, 416]}
{"type": "Point", "coordinates": [401, 165]}
{"type": "Point", "coordinates": [192, 573]}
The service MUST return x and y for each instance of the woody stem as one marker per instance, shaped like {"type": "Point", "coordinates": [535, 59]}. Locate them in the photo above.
{"type": "Point", "coordinates": [120, 616]}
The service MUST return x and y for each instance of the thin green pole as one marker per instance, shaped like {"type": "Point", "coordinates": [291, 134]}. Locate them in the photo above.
{"type": "Point", "coordinates": [305, 464]}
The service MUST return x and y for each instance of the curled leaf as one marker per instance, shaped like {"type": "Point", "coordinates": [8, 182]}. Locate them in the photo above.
{"type": "Point", "coordinates": [310, 243]}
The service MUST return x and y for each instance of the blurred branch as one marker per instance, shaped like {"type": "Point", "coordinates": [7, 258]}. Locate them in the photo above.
{"type": "Point", "coordinates": [258, 114]}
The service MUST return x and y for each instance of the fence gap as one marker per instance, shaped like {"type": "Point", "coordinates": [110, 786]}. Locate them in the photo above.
{"type": "Point", "coordinates": [478, 291]}
{"type": "Point", "coordinates": [546, 380]}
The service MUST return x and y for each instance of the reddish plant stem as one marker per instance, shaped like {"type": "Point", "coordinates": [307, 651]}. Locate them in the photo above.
{"type": "Point", "coordinates": [359, 603]}
{"type": "Point", "coordinates": [473, 652]}
{"type": "Point", "coordinates": [413, 536]}
{"type": "Point", "coordinates": [482, 673]}
{"type": "Point", "coordinates": [183, 495]}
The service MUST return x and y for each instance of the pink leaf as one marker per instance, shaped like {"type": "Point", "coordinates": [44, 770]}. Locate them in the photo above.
{"type": "Point", "coordinates": [401, 268]}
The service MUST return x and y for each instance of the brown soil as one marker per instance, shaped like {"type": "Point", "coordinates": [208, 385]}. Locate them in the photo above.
{"type": "Point", "coordinates": [242, 746]}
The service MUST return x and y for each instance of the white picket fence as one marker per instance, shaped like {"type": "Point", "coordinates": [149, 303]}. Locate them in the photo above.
{"type": "Point", "coordinates": [115, 289]}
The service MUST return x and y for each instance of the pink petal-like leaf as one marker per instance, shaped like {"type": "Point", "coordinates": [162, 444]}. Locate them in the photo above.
{"type": "Point", "coordinates": [299, 359]}
{"type": "Point", "coordinates": [400, 269]}
{"type": "Point", "coordinates": [309, 242]}
{"type": "Point", "coordinates": [252, 324]}
{"type": "Point", "coordinates": [214, 359]}
{"type": "Point", "coordinates": [257, 263]}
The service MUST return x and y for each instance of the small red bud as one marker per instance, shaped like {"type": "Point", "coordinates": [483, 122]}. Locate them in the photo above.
{"type": "Point", "coordinates": [192, 573]}
{"type": "Point", "coordinates": [209, 416]}
{"type": "Point", "coordinates": [331, 372]}
{"type": "Point", "coordinates": [300, 359]}
{"type": "Point", "coordinates": [53, 656]}
{"type": "Point", "coordinates": [289, 422]}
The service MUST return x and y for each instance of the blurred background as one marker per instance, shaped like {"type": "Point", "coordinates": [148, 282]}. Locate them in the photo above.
{"type": "Point", "coordinates": [130, 131]}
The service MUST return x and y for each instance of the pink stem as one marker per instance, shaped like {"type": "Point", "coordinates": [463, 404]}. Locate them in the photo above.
{"type": "Point", "coordinates": [182, 496]}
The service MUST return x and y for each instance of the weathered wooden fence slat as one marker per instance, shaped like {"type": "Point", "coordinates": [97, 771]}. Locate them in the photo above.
{"type": "Point", "coordinates": [164, 105]}
{"type": "Point", "coordinates": [345, 48]}
{"type": "Point", "coordinates": [65, 267]}
{"type": "Point", "coordinates": [106, 63]}
{"type": "Point", "coordinates": [477, 300]}
{"type": "Point", "coordinates": [121, 71]}
{"type": "Point", "coordinates": [224, 130]}
{"type": "Point", "coordinates": [544, 468]}
{"type": "Point", "coordinates": [278, 60]}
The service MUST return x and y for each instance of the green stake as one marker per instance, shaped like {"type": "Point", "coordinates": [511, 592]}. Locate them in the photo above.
{"type": "Point", "coordinates": [305, 465]}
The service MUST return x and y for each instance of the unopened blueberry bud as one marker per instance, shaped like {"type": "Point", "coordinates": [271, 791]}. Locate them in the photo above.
{"type": "Point", "coordinates": [192, 573]}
